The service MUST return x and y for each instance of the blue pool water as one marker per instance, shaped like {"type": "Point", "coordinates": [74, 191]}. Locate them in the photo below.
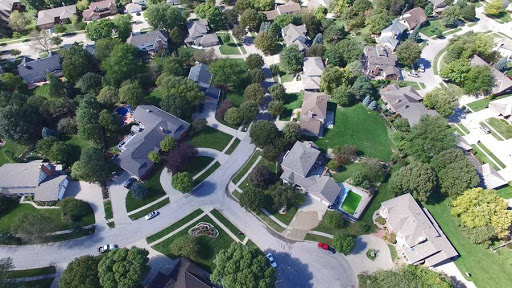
{"type": "Point", "coordinates": [341, 197]}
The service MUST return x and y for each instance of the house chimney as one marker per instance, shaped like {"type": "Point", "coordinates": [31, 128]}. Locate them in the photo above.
{"type": "Point", "coordinates": [162, 129]}
{"type": "Point", "coordinates": [310, 114]}
{"type": "Point", "coordinates": [147, 110]}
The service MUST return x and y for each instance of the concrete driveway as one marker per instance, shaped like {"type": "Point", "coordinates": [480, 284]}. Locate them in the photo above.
{"type": "Point", "coordinates": [360, 263]}
{"type": "Point", "coordinates": [118, 199]}
{"type": "Point", "coordinates": [90, 193]}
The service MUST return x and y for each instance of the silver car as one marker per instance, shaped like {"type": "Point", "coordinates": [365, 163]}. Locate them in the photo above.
{"type": "Point", "coordinates": [270, 258]}
{"type": "Point", "coordinates": [151, 215]}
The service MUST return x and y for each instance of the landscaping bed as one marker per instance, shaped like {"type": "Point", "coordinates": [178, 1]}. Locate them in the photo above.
{"type": "Point", "coordinates": [210, 138]}
{"type": "Point", "coordinates": [108, 209]}
{"type": "Point", "coordinates": [174, 226]}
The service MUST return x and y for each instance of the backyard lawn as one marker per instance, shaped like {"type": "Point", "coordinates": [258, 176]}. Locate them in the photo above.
{"type": "Point", "coordinates": [229, 48]}
{"type": "Point", "coordinates": [155, 192]}
{"type": "Point", "coordinates": [487, 269]}
{"type": "Point", "coordinates": [10, 150]}
{"type": "Point", "coordinates": [501, 126]}
{"type": "Point", "coordinates": [351, 202]}
{"type": "Point", "coordinates": [155, 97]}
{"type": "Point", "coordinates": [42, 91]}
{"type": "Point", "coordinates": [346, 172]}
{"type": "Point", "coordinates": [236, 96]}
{"type": "Point", "coordinates": [208, 247]}
{"type": "Point", "coordinates": [428, 29]}
{"type": "Point", "coordinates": [357, 126]}
{"type": "Point", "coordinates": [197, 165]}
{"type": "Point", "coordinates": [484, 103]}
{"type": "Point", "coordinates": [210, 138]}
{"type": "Point", "coordinates": [292, 101]}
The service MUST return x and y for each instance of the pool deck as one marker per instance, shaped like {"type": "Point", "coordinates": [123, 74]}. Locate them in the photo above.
{"type": "Point", "coordinates": [366, 197]}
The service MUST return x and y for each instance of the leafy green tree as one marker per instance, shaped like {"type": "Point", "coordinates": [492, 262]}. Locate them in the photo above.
{"type": "Point", "coordinates": [443, 100]}
{"type": "Point", "coordinates": [167, 144]}
{"type": "Point", "coordinates": [91, 167]}
{"type": "Point", "coordinates": [417, 178]}
{"type": "Point", "coordinates": [123, 26]}
{"type": "Point", "coordinates": [5, 267]}
{"type": "Point", "coordinates": [275, 108]}
{"type": "Point", "coordinates": [122, 64]}
{"type": "Point", "coordinates": [291, 59]}
{"type": "Point", "coordinates": [256, 76]}
{"type": "Point", "coordinates": [353, 16]}
{"type": "Point", "coordinates": [31, 227]}
{"type": "Point", "coordinates": [90, 83]}
{"type": "Point", "coordinates": [185, 246]}
{"type": "Point", "coordinates": [479, 208]}
{"type": "Point", "coordinates": [254, 61]}
{"type": "Point", "coordinates": [334, 34]}
{"type": "Point", "coordinates": [109, 120]}
{"type": "Point", "coordinates": [132, 93]}
{"type": "Point", "coordinates": [450, 16]}
{"type": "Point", "coordinates": [480, 79]}
{"type": "Point", "coordinates": [226, 72]}
{"type": "Point", "coordinates": [252, 198]}
{"type": "Point", "coordinates": [334, 219]}
{"type": "Point", "coordinates": [139, 190]}
{"type": "Point", "coordinates": [408, 275]}
{"type": "Point", "coordinates": [249, 110]}
{"type": "Point", "coordinates": [316, 50]}
{"type": "Point", "coordinates": [231, 17]}
{"type": "Point", "coordinates": [44, 145]}
{"type": "Point", "coordinates": [278, 91]}
{"type": "Point", "coordinates": [334, 77]}
{"type": "Point", "coordinates": [56, 40]}
{"type": "Point", "coordinates": [123, 267]}
{"type": "Point", "coordinates": [67, 125]}
{"type": "Point", "coordinates": [20, 123]}
{"type": "Point", "coordinates": [61, 152]}
{"type": "Point", "coordinates": [182, 182]}
{"type": "Point", "coordinates": [103, 28]}
{"type": "Point", "coordinates": [260, 177]}
{"type": "Point", "coordinates": [104, 47]}
{"type": "Point", "coordinates": [428, 138]}
{"type": "Point", "coordinates": [263, 5]}
{"type": "Point", "coordinates": [13, 82]}
{"type": "Point", "coordinates": [408, 52]}
{"type": "Point", "coordinates": [344, 52]}
{"type": "Point", "coordinates": [291, 132]}
{"type": "Point", "coordinates": [180, 88]}
{"type": "Point", "coordinates": [494, 7]}
{"type": "Point", "coordinates": [265, 42]}
{"type": "Point", "coordinates": [284, 195]}
{"type": "Point", "coordinates": [362, 88]}
{"type": "Point", "coordinates": [233, 116]}
{"type": "Point", "coordinates": [242, 5]}
{"type": "Point", "coordinates": [263, 133]}
{"type": "Point", "coordinates": [81, 272]}
{"type": "Point", "coordinates": [254, 92]}
{"type": "Point", "coordinates": [429, 9]}
{"type": "Point", "coordinates": [164, 16]}
{"type": "Point", "coordinates": [469, 44]}
{"type": "Point", "coordinates": [239, 32]}
{"type": "Point", "coordinates": [456, 174]}
{"type": "Point", "coordinates": [73, 210]}
{"type": "Point", "coordinates": [252, 269]}
{"type": "Point", "coordinates": [76, 63]}
{"type": "Point", "coordinates": [343, 242]}
{"type": "Point", "coordinates": [468, 12]}
{"type": "Point", "coordinates": [57, 88]}
{"type": "Point", "coordinates": [208, 10]}
{"type": "Point", "coordinates": [402, 125]}
{"type": "Point", "coordinates": [154, 157]}
{"type": "Point", "coordinates": [456, 71]}
{"type": "Point", "coordinates": [108, 95]}
{"type": "Point", "coordinates": [18, 21]}
{"type": "Point", "coordinates": [251, 19]}
{"type": "Point", "coordinates": [377, 20]}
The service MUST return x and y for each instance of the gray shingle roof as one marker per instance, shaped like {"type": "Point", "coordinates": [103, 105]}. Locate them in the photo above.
{"type": "Point", "coordinates": [391, 34]}
{"type": "Point", "coordinates": [196, 29]}
{"type": "Point", "coordinates": [325, 188]}
{"type": "Point", "coordinates": [149, 38]}
{"type": "Point", "coordinates": [200, 74]}
{"type": "Point", "coordinates": [301, 158]}
{"type": "Point", "coordinates": [158, 124]}
{"type": "Point", "coordinates": [313, 66]}
{"type": "Point", "coordinates": [503, 83]}
{"type": "Point", "coordinates": [48, 16]}
{"type": "Point", "coordinates": [33, 71]}
{"type": "Point", "coordinates": [406, 102]}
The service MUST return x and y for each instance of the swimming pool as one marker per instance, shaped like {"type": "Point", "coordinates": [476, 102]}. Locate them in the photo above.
{"type": "Point", "coordinates": [121, 111]}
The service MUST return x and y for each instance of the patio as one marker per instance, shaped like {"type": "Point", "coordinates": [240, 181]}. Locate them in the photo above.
{"type": "Point", "coordinates": [352, 201]}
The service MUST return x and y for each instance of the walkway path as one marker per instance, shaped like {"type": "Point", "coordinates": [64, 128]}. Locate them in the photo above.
{"type": "Point", "coordinates": [209, 114]}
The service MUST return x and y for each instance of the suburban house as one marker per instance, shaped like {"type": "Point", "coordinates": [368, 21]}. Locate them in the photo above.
{"type": "Point", "coordinates": [390, 36]}
{"type": "Point", "coordinates": [155, 124]}
{"type": "Point", "coordinates": [46, 19]}
{"type": "Point", "coordinates": [303, 168]}
{"type": "Point", "coordinates": [185, 274]}
{"type": "Point", "coordinates": [311, 73]}
{"type": "Point", "coordinates": [418, 236]}
{"type": "Point", "coordinates": [314, 4]}
{"type": "Point", "coordinates": [295, 35]}
{"type": "Point", "coordinates": [503, 107]}
{"type": "Point", "coordinates": [34, 71]}
{"type": "Point", "coordinates": [413, 18]}
{"type": "Point", "coordinates": [380, 61]}
{"type": "Point", "coordinates": [439, 6]}
{"type": "Point", "coordinates": [6, 7]}
{"type": "Point", "coordinates": [313, 113]}
{"type": "Point", "coordinates": [151, 42]}
{"type": "Point", "coordinates": [406, 102]}
{"type": "Point", "coordinates": [503, 84]}
{"type": "Point", "coordinates": [132, 8]}
{"type": "Point", "coordinates": [101, 9]}
{"type": "Point", "coordinates": [201, 75]}
{"type": "Point", "coordinates": [198, 34]}
{"type": "Point", "coordinates": [491, 178]}
{"type": "Point", "coordinates": [289, 7]}
{"type": "Point", "coordinates": [37, 179]}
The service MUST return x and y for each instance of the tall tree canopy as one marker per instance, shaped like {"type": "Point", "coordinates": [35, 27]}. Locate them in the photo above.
{"type": "Point", "coordinates": [406, 276]}
{"type": "Point", "coordinates": [164, 16]}
{"type": "Point", "coordinates": [122, 64]}
{"type": "Point", "coordinates": [123, 267]}
{"type": "Point", "coordinates": [81, 272]}
{"type": "Point", "coordinates": [76, 63]}
{"type": "Point", "coordinates": [91, 167]}
{"type": "Point", "coordinates": [416, 178]}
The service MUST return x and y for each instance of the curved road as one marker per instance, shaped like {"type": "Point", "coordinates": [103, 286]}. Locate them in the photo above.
{"type": "Point", "coordinates": [300, 264]}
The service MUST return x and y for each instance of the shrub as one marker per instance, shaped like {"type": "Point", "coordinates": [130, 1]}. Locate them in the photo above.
{"type": "Point", "coordinates": [371, 254]}
{"type": "Point", "coordinates": [185, 246]}
{"type": "Point", "coordinates": [390, 237]}
{"type": "Point", "coordinates": [333, 165]}
{"type": "Point", "coordinates": [260, 177]}
{"type": "Point", "coordinates": [334, 219]}
{"type": "Point", "coordinates": [139, 191]}
{"type": "Point", "coordinates": [182, 182]}
{"type": "Point", "coordinates": [73, 209]}
{"type": "Point", "coordinates": [233, 116]}
{"type": "Point", "coordinates": [380, 220]}
{"type": "Point", "coordinates": [343, 242]}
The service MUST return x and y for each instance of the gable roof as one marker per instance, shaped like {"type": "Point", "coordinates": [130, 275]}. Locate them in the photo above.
{"type": "Point", "coordinates": [380, 57]}
{"type": "Point", "coordinates": [325, 188]}
{"type": "Point", "coordinates": [314, 4]}
{"type": "Point", "coordinates": [502, 106]}
{"type": "Point", "coordinates": [301, 158]}
{"type": "Point", "coordinates": [99, 8]}
{"type": "Point", "coordinates": [310, 82]}
{"type": "Point", "coordinates": [313, 66]}
{"type": "Point", "coordinates": [293, 33]}
{"type": "Point", "coordinates": [314, 105]}
{"type": "Point", "coordinates": [414, 17]}
{"type": "Point", "coordinates": [438, 3]}
{"type": "Point", "coordinates": [417, 231]}
{"type": "Point", "coordinates": [492, 179]}
{"type": "Point", "coordinates": [200, 74]}
{"type": "Point", "coordinates": [48, 16]}
{"type": "Point", "coordinates": [33, 71]}
{"type": "Point", "coordinates": [157, 125]}
{"type": "Point", "coordinates": [196, 29]}
{"type": "Point", "coordinates": [391, 35]}
{"type": "Point", "coordinates": [209, 39]}
{"type": "Point", "coordinates": [406, 102]}
{"type": "Point", "coordinates": [185, 274]}
{"type": "Point", "coordinates": [502, 84]}
{"type": "Point", "coordinates": [151, 37]}
{"type": "Point", "coordinates": [288, 8]}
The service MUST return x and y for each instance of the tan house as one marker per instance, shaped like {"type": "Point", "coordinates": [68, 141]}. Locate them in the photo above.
{"type": "Point", "coordinates": [101, 9]}
{"type": "Point", "coordinates": [295, 35]}
{"type": "Point", "coordinates": [313, 113]}
{"type": "Point", "coordinates": [406, 102]}
{"type": "Point", "coordinates": [380, 61]}
{"type": "Point", "coordinates": [311, 73]}
{"type": "Point", "coordinates": [289, 7]}
{"type": "Point", "coordinates": [46, 19]}
{"type": "Point", "coordinates": [418, 236]}
{"type": "Point", "coordinates": [413, 18]}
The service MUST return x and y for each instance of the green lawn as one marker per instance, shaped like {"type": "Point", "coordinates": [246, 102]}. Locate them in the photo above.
{"type": "Point", "coordinates": [487, 269]}
{"type": "Point", "coordinates": [246, 167]}
{"type": "Point", "coordinates": [505, 192]}
{"type": "Point", "coordinates": [284, 218]}
{"type": "Point", "coordinates": [436, 60]}
{"type": "Point", "coordinates": [154, 97]}
{"type": "Point", "coordinates": [45, 283]}
{"type": "Point", "coordinates": [174, 226]}
{"type": "Point", "coordinates": [496, 159]}
{"type": "Point", "coordinates": [494, 134]}
{"type": "Point", "coordinates": [233, 146]}
{"type": "Point", "coordinates": [351, 202]}
{"type": "Point", "coordinates": [77, 144]}
{"type": "Point", "coordinates": [236, 96]}
{"type": "Point", "coordinates": [151, 208]}
{"type": "Point", "coordinates": [210, 138]}
{"type": "Point", "coordinates": [271, 223]}
{"type": "Point", "coordinates": [346, 172]}
{"type": "Point", "coordinates": [501, 126]}
{"type": "Point", "coordinates": [285, 76]}
{"type": "Point", "coordinates": [428, 29]}
{"type": "Point", "coordinates": [318, 238]}
{"type": "Point", "coordinates": [231, 227]}
{"type": "Point", "coordinates": [461, 128]}
{"type": "Point", "coordinates": [43, 91]}
{"type": "Point", "coordinates": [197, 165]}
{"type": "Point", "coordinates": [394, 254]}
{"type": "Point", "coordinates": [108, 209]}
{"type": "Point", "coordinates": [229, 48]}
{"type": "Point", "coordinates": [292, 101]}
{"type": "Point", "coordinates": [482, 157]}
{"type": "Point", "coordinates": [413, 84]}
{"type": "Point", "coordinates": [155, 192]}
{"type": "Point", "coordinates": [484, 103]}
{"type": "Point", "coordinates": [360, 127]}
{"type": "Point", "coordinates": [208, 247]}
{"type": "Point", "coordinates": [10, 151]}
{"type": "Point", "coordinates": [452, 31]}
{"type": "Point", "coordinates": [7, 217]}
{"type": "Point", "coordinates": [504, 16]}
{"type": "Point", "coordinates": [206, 173]}
{"type": "Point", "coordinates": [31, 272]}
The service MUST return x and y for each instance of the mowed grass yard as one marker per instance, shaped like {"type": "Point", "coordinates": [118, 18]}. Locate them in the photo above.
{"type": "Point", "coordinates": [487, 269]}
{"type": "Point", "coordinates": [229, 48]}
{"type": "Point", "coordinates": [484, 103]}
{"type": "Point", "coordinates": [11, 150]}
{"type": "Point", "coordinates": [428, 30]}
{"type": "Point", "coordinates": [210, 138]}
{"type": "Point", "coordinates": [292, 101]}
{"type": "Point", "coordinates": [351, 202]}
{"type": "Point", "coordinates": [155, 192]}
{"type": "Point", "coordinates": [208, 247]}
{"type": "Point", "coordinates": [357, 126]}
{"type": "Point", "coordinates": [501, 126]}
{"type": "Point", "coordinates": [197, 165]}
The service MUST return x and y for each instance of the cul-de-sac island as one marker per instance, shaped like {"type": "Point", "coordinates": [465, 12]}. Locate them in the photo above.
{"type": "Point", "coordinates": [255, 143]}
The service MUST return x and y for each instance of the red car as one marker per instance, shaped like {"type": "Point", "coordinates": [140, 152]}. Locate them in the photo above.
{"type": "Point", "coordinates": [326, 247]}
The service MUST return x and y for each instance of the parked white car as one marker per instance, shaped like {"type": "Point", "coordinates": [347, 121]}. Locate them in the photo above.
{"type": "Point", "coordinates": [270, 258]}
{"type": "Point", "coordinates": [151, 215]}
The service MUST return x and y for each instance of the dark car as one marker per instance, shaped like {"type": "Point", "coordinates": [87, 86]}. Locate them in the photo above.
{"type": "Point", "coordinates": [129, 182]}
{"type": "Point", "coordinates": [326, 247]}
